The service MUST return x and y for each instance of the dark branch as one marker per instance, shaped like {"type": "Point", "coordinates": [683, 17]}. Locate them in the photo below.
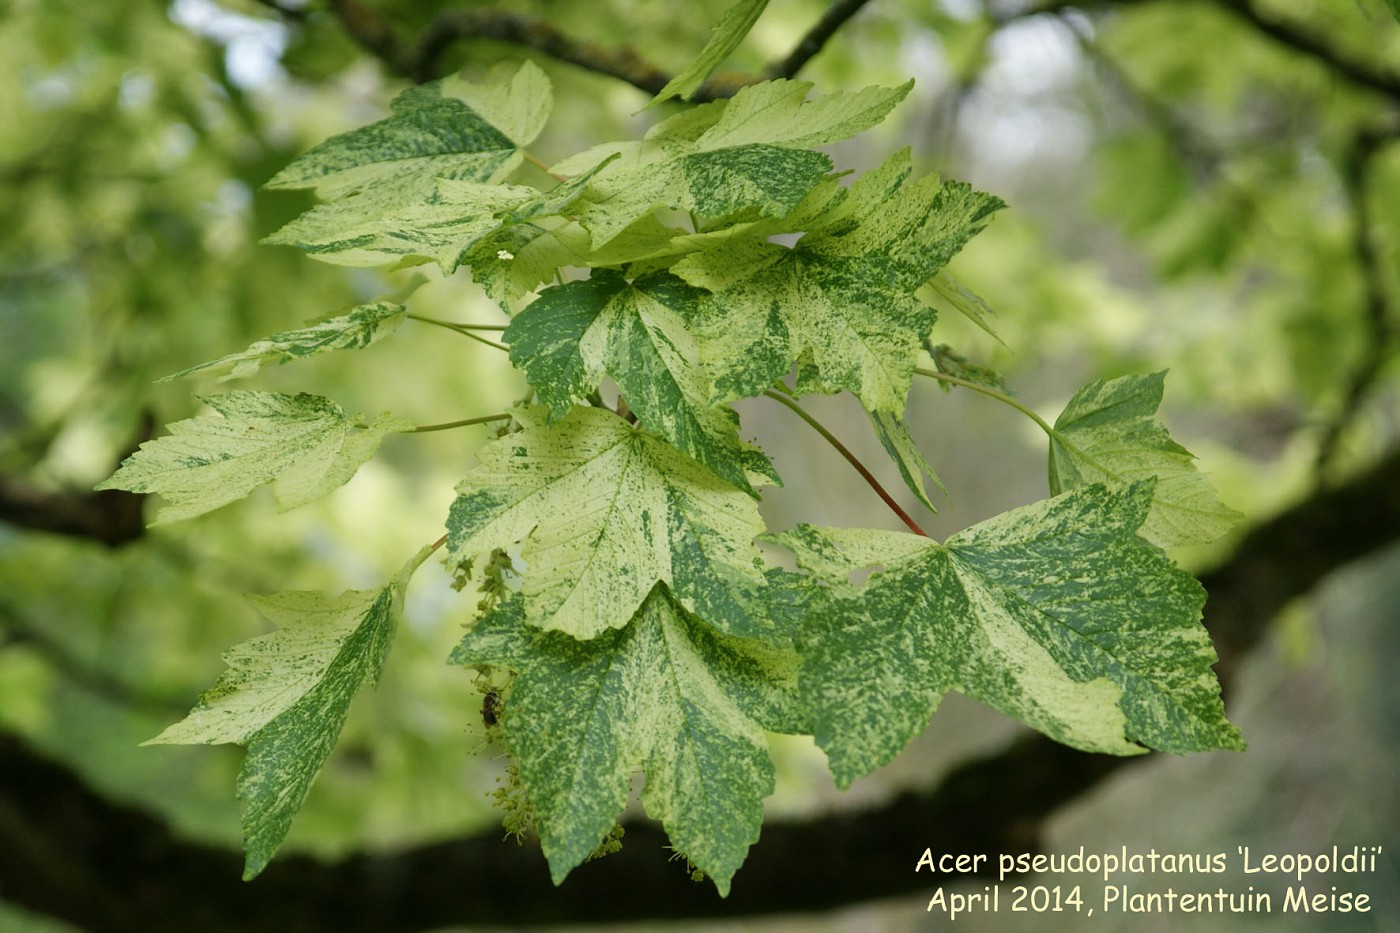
{"type": "Point", "coordinates": [1362, 73]}
{"type": "Point", "coordinates": [369, 29]}
{"type": "Point", "coordinates": [809, 45]}
{"type": "Point", "coordinates": [68, 852]}
{"type": "Point", "coordinates": [420, 60]}
{"type": "Point", "coordinates": [1301, 40]}
{"type": "Point", "coordinates": [531, 33]}
{"type": "Point", "coordinates": [112, 516]}
{"type": "Point", "coordinates": [1380, 327]}
{"type": "Point", "coordinates": [293, 13]}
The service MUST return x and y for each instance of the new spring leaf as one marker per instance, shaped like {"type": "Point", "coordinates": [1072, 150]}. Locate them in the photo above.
{"type": "Point", "coordinates": [603, 512]}
{"type": "Point", "coordinates": [664, 693]}
{"type": "Point", "coordinates": [304, 444]}
{"type": "Point", "coordinates": [354, 330]}
{"type": "Point", "coordinates": [1056, 613]}
{"type": "Point", "coordinates": [639, 334]}
{"type": "Point", "coordinates": [843, 294]}
{"type": "Point", "coordinates": [286, 695]}
{"type": "Point", "coordinates": [1109, 433]}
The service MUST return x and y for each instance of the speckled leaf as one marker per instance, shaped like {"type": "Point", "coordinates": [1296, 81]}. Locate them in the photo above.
{"type": "Point", "coordinates": [286, 695]}
{"type": "Point", "coordinates": [728, 33]}
{"type": "Point", "coordinates": [666, 694]}
{"type": "Point", "coordinates": [637, 333]}
{"type": "Point", "coordinates": [747, 152]}
{"type": "Point", "coordinates": [305, 443]}
{"type": "Point", "coordinates": [908, 459]}
{"type": "Point", "coordinates": [451, 128]}
{"type": "Point", "coordinates": [842, 295]}
{"type": "Point", "coordinates": [354, 330]}
{"type": "Point", "coordinates": [443, 226]}
{"type": "Point", "coordinates": [965, 301]}
{"type": "Point", "coordinates": [1056, 613]}
{"type": "Point", "coordinates": [603, 511]}
{"type": "Point", "coordinates": [517, 259]}
{"type": "Point", "coordinates": [1109, 433]}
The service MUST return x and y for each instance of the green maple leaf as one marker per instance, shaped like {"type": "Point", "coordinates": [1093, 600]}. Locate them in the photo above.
{"type": "Point", "coordinates": [443, 226]}
{"type": "Point", "coordinates": [450, 128]}
{"type": "Point", "coordinates": [965, 301]}
{"type": "Point", "coordinates": [1109, 433]}
{"type": "Point", "coordinates": [354, 330]}
{"type": "Point", "coordinates": [286, 695]}
{"type": "Point", "coordinates": [728, 33]}
{"type": "Point", "coordinates": [752, 151]}
{"type": "Point", "coordinates": [1056, 613]}
{"type": "Point", "coordinates": [603, 512]}
{"type": "Point", "coordinates": [842, 297]}
{"type": "Point", "coordinates": [515, 260]}
{"type": "Point", "coordinates": [638, 333]}
{"type": "Point", "coordinates": [305, 444]}
{"type": "Point", "coordinates": [665, 693]}
{"type": "Point", "coordinates": [894, 436]}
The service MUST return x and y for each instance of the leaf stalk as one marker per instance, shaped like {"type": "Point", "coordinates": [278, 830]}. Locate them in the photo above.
{"type": "Point", "coordinates": [851, 458]}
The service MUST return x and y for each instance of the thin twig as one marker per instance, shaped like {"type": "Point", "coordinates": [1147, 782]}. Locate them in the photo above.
{"type": "Point", "coordinates": [1363, 73]}
{"type": "Point", "coordinates": [529, 32]}
{"type": "Point", "coordinates": [989, 392]}
{"type": "Point", "coordinates": [1307, 42]}
{"type": "Point", "coordinates": [851, 458]}
{"type": "Point", "coordinates": [810, 44]}
{"type": "Point", "coordinates": [465, 422]}
{"type": "Point", "coordinates": [466, 330]}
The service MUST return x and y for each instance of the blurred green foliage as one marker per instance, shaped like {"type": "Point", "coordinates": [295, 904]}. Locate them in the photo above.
{"type": "Point", "coordinates": [1183, 194]}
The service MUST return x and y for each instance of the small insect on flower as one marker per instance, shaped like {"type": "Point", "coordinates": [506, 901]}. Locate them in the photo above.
{"type": "Point", "coordinates": [491, 708]}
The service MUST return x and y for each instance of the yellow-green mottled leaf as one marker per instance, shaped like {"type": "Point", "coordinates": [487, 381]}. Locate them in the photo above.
{"type": "Point", "coordinates": [286, 695]}
{"type": "Point", "coordinates": [519, 109]}
{"type": "Point", "coordinates": [304, 444]}
{"type": "Point", "coordinates": [637, 333]}
{"type": "Point", "coordinates": [1109, 433]}
{"type": "Point", "coordinates": [517, 259]}
{"type": "Point", "coordinates": [966, 302]}
{"type": "Point", "coordinates": [449, 128]}
{"type": "Point", "coordinates": [728, 33]}
{"type": "Point", "coordinates": [1056, 613]}
{"type": "Point", "coordinates": [444, 225]}
{"type": "Point", "coordinates": [751, 151]}
{"type": "Point", "coordinates": [842, 295]}
{"type": "Point", "coordinates": [666, 694]}
{"type": "Point", "coordinates": [908, 458]}
{"type": "Point", "coordinates": [354, 330]}
{"type": "Point", "coordinates": [603, 512]}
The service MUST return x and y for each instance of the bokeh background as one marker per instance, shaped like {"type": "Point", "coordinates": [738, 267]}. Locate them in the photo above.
{"type": "Point", "coordinates": [1206, 187]}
